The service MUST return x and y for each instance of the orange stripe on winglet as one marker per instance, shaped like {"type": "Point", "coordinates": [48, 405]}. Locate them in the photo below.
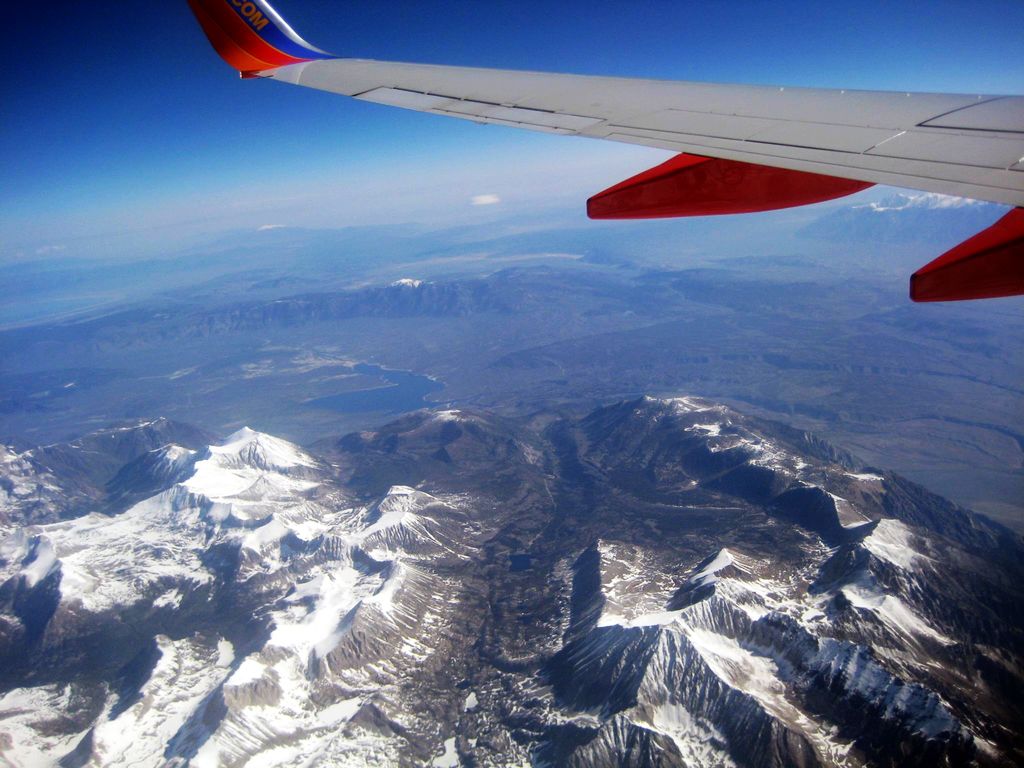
{"type": "Point", "coordinates": [246, 38]}
{"type": "Point", "coordinates": [225, 46]}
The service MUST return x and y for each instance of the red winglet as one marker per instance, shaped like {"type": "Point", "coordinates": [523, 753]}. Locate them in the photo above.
{"type": "Point", "coordinates": [987, 266]}
{"type": "Point", "coordinates": [691, 185]}
{"type": "Point", "coordinates": [250, 35]}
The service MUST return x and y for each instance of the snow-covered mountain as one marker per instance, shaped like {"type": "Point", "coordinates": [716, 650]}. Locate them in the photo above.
{"type": "Point", "coordinates": [659, 582]}
{"type": "Point", "coordinates": [906, 218]}
{"type": "Point", "coordinates": [64, 480]}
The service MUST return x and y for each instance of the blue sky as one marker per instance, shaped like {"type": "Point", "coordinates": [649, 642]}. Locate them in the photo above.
{"type": "Point", "coordinates": [121, 126]}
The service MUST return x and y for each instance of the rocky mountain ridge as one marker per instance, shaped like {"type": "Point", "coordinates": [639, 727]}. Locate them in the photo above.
{"type": "Point", "coordinates": [655, 583]}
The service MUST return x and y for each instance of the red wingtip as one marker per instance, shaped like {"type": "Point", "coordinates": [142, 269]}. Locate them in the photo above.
{"type": "Point", "coordinates": [690, 185]}
{"type": "Point", "coordinates": [987, 266]}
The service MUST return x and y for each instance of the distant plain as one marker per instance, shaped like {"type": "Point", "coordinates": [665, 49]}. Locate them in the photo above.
{"type": "Point", "coordinates": [798, 316]}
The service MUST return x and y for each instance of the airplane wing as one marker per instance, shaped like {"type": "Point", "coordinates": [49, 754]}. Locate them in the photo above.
{"type": "Point", "coordinates": [742, 148]}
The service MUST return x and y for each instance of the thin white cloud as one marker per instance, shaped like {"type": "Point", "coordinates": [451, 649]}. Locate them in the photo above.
{"type": "Point", "coordinates": [930, 200]}
{"type": "Point", "coordinates": [46, 250]}
{"type": "Point", "coordinates": [267, 227]}
{"type": "Point", "coordinates": [484, 200]}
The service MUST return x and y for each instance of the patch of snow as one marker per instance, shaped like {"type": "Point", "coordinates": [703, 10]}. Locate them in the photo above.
{"type": "Point", "coordinates": [698, 741]}
{"type": "Point", "coordinates": [759, 676]}
{"type": "Point", "coordinates": [216, 483]}
{"type": "Point", "coordinates": [448, 415]}
{"type": "Point", "coordinates": [276, 756]}
{"type": "Point", "coordinates": [634, 589]}
{"type": "Point", "coordinates": [384, 598]}
{"type": "Point", "coordinates": [866, 595]}
{"type": "Point", "coordinates": [305, 590]}
{"type": "Point", "coordinates": [294, 730]}
{"type": "Point", "coordinates": [169, 599]}
{"type": "Point", "coordinates": [24, 482]}
{"type": "Point", "coordinates": [225, 653]}
{"type": "Point", "coordinates": [270, 533]}
{"type": "Point", "coordinates": [712, 430]}
{"type": "Point", "coordinates": [891, 541]}
{"type": "Point", "coordinates": [755, 598]}
{"type": "Point", "coordinates": [656, 619]}
{"type": "Point", "coordinates": [860, 673]}
{"type": "Point", "coordinates": [108, 561]}
{"type": "Point", "coordinates": [686, 404]}
{"type": "Point", "coordinates": [24, 714]}
{"type": "Point", "coordinates": [318, 628]}
{"type": "Point", "coordinates": [338, 713]}
{"type": "Point", "coordinates": [183, 677]}
{"type": "Point", "coordinates": [249, 671]}
{"type": "Point", "coordinates": [471, 702]}
{"type": "Point", "coordinates": [43, 563]}
{"type": "Point", "coordinates": [450, 758]}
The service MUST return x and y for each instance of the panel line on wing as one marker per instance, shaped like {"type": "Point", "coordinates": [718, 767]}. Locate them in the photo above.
{"type": "Point", "coordinates": [670, 135]}
{"type": "Point", "coordinates": [400, 97]}
{"type": "Point", "coordinates": [999, 114]}
{"type": "Point", "coordinates": [951, 149]}
{"type": "Point", "coordinates": [480, 111]}
{"type": "Point", "coordinates": [835, 138]}
{"type": "Point", "coordinates": [960, 109]}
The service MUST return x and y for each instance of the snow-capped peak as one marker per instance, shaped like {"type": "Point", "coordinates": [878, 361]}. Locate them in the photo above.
{"type": "Point", "coordinates": [407, 282]}
{"type": "Point", "coordinates": [247, 447]}
{"type": "Point", "coordinates": [248, 458]}
{"type": "Point", "coordinates": [170, 461]}
{"type": "Point", "coordinates": [175, 453]}
{"type": "Point", "coordinates": [245, 433]}
{"type": "Point", "coordinates": [686, 404]}
{"type": "Point", "coordinates": [400, 503]}
{"type": "Point", "coordinates": [448, 415]}
{"type": "Point", "coordinates": [708, 571]}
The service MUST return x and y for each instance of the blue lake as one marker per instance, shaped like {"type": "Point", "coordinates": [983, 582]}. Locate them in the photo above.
{"type": "Point", "coordinates": [521, 562]}
{"type": "Point", "coordinates": [402, 391]}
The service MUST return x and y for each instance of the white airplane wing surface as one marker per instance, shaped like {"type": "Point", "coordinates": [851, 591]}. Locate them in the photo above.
{"type": "Point", "coordinates": [742, 148]}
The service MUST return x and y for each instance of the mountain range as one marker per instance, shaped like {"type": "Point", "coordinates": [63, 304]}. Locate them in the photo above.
{"type": "Point", "coordinates": [654, 582]}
